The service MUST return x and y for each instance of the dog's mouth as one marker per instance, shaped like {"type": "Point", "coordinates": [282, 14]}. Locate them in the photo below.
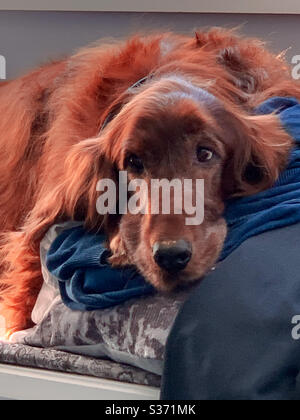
{"type": "Point", "coordinates": [168, 281]}
{"type": "Point", "coordinates": [173, 282]}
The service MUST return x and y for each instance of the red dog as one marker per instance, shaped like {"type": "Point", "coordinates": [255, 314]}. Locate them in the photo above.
{"type": "Point", "coordinates": [191, 119]}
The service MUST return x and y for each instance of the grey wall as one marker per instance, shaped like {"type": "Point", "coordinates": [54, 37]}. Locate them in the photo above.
{"type": "Point", "coordinates": [29, 38]}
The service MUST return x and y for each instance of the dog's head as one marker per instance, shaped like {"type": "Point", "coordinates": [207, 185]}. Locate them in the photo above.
{"type": "Point", "coordinates": [173, 129]}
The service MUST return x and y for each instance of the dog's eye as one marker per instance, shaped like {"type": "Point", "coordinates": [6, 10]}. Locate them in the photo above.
{"type": "Point", "coordinates": [134, 163]}
{"type": "Point", "coordinates": [204, 154]}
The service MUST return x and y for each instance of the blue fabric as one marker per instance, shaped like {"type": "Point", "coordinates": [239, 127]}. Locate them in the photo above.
{"type": "Point", "coordinates": [79, 260]}
{"type": "Point", "coordinates": [278, 206]}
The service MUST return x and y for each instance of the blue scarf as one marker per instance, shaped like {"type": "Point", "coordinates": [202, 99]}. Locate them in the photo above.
{"type": "Point", "coordinates": [79, 259]}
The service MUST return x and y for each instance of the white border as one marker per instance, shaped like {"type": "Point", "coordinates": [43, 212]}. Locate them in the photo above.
{"type": "Point", "coordinates": [19, 383]}
{"type": "Point", "coordinates": [201, 6]}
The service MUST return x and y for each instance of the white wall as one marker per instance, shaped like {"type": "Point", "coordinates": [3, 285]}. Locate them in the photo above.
{"type": "Point", "coordinates": [30, 38]}
{"type": "Point", "coordinates": [203, 6]}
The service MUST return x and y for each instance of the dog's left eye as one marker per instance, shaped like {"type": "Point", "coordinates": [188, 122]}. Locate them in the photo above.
{"type": "Point", "coordinates": [204, 154]}
{"type": "Point", "coordinates": [134, 163]}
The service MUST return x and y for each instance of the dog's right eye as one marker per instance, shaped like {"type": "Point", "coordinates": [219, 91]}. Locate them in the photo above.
{"type": "Point", "coordinates": [134, 164]}
{"type": "Point", "coordinates": [204, 154]}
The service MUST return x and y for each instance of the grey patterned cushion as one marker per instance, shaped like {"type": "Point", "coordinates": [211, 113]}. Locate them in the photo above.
{"type": "Point", "coordinates": [134, 333]}
{"type": "Point", "coordinates": [51, 359]}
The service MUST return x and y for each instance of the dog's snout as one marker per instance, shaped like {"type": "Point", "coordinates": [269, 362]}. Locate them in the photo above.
{"type": "Point", "coordinates": [172, 256]}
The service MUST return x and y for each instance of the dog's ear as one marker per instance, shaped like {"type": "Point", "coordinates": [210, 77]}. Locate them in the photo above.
{"type": "Point", "coordinates": [243, 75]}
{"type": "Point", "coordinates": [86, 164]}
{"type": "Point", "coordinates": [260, 152]}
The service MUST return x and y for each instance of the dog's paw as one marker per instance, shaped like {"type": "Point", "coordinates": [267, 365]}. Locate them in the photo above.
{"type": "Point", "coordinates": [119, 255]}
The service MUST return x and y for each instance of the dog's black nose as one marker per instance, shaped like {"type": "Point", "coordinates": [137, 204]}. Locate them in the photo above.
{"type": "Point", "coordinates": [172, 256]}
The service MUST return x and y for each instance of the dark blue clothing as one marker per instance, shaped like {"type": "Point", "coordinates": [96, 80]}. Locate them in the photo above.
{"type": "Point", "coordinates": [234, 338]}
{"type": "Point", "coordinates": [79, 260]}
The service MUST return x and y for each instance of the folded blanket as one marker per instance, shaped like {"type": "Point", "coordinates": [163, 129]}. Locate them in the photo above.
{"type": "Point", "coordinates": [79, 259]}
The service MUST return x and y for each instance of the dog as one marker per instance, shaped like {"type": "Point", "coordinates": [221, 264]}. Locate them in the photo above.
{"type": "Point", "coordinates": [70, 123]}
